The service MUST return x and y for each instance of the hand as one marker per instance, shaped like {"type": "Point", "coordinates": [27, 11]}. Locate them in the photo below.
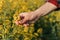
{"type": "Point", "coordinates": [27, 18]}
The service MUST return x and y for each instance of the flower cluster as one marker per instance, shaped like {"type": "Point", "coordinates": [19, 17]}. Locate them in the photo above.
{"type": "Point", "coordinates": [9, 11]}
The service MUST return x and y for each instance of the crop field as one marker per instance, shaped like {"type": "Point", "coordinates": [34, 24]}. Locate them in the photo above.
{"type": "Point", "coordinates": [46, 28]}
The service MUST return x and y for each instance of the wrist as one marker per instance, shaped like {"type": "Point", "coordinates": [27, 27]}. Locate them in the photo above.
{"type": "Point", "coordinates": [45, 9]}
{"type": "Point", "coordinates": [39, 12]}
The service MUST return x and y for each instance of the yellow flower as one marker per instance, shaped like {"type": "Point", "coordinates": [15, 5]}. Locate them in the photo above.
{"type": "Point", "coordinates": [14, 4]}
{"type": "Point", "coordinates": [0, 34]}
{"type": "Point", "coordinates": [15, 16]}
{"type": "Point", "coordinates": [7, 22]}
{"type": "Point", "coordinates": [26, 38]}
{"type": "Point", "coordinates": [1, 27]}
{"type": "Point", "coordinates": [50, 19]}
{"type": "Point", "coordinates": [26, 29]}
{"type": "Point", "coordinates": [40, 30]}
{"type": "Point", "coordinates": [1, 5]}
{"type": "Point", "coordinates": [14, 9]}
{"type": "Point", "coordinates": [10, 0]}
{"type": "Point", "coordinates": [6, 31]}
{"type": "Point", "coordinates": [16, 39]}
{"type": "Point", "coordinates": [58, 15]}
{"type": "Point", "coordinates": [36, 34]}
{"type": "Point", "coordinates": [24, 7]}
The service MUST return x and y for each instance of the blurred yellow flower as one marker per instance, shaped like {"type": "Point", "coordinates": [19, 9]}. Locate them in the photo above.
{"type": "Point", "coordinates": [9, 13]}
{"type": "Point", "coordinates": [1, 27]}
{"type": "Point", "coordinates": [40, 30]}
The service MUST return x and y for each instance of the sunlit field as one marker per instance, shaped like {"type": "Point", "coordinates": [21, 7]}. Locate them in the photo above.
{"type": "Point", "coordinates": [46, 28]}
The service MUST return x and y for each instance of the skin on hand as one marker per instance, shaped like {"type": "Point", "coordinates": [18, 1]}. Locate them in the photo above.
{"type": "Point", "coordinates": [27, 18]}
